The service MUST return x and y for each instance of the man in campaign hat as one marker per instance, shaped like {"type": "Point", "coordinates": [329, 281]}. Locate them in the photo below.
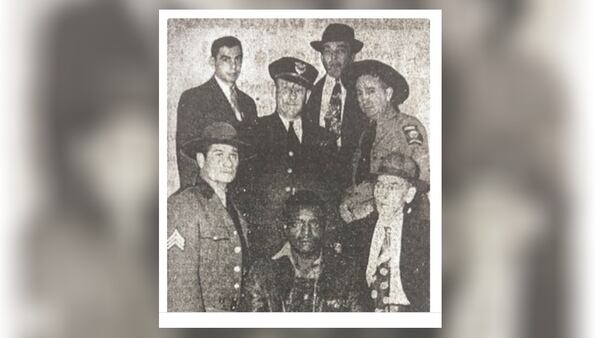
{"type": "Point", "coordinates": [381, 91]}
{"type": "Point", "coordinates": [289, 149]}
{"type": "Point", "coordinates": [333, 105]}
{"type": "Point", "coordinates": [207, 247]}
{"type": "Point", "coordinates": [391, 244]}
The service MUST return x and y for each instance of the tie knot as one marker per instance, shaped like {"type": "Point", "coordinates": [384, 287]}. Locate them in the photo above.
{"type": "Point", "coordinates": [291, 124]}
{"type": "Point", "coordinates": [337, 88]}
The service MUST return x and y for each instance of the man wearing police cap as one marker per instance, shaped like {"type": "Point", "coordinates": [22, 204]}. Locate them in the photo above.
{"type": "Point", "coordinates": [290, 150]}
{"type": "Point", "coordinates": [207, 247]}
{"type": "Point", "coordinates": [381, 90]}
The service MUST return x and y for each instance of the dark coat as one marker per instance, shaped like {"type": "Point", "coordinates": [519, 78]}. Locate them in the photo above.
{"type": "Point", "coordinates": [206, 274]}
{"type": "Point", "coordinates": [355, 240]}
{"type": "Point", "coordinates": [277, 178]}
{"type": "Point", "coordinates": [353, 124]}
{"type": "Point", "coordinates": [198, 107]}
{"type": "Point", "coordinates": [269, 283]}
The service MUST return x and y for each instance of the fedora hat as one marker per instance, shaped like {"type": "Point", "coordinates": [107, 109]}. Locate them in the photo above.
{"type": "Point", "coordinates": [384, 72]}
{"type": "Point", "coordinates": [338, 32]}
{"type": "Point", "coordinates": [214, 133]}
{"type": "Point", "coordinates": [400, 165]}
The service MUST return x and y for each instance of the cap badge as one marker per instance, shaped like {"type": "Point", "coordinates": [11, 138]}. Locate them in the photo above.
{"type": "Point", "coordinates": [300, 67]}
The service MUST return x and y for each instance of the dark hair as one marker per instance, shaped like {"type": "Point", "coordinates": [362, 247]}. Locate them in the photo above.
{"type": "Point", "coordinates": [300, 200]}
{"type": "Point", "coordinates": [226, 41]}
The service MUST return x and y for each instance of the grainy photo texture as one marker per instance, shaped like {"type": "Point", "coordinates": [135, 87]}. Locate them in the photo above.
{"type": "Point", "coordinates": [298, 165]}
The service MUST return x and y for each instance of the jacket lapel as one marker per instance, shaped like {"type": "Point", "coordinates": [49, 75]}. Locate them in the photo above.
{"type": "Point", "coordinates": [221, 101]}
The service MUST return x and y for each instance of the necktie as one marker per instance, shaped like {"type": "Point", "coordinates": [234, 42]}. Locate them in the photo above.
{"type": "Point", "coordinates": [292, 138]}
{"type": "Point", "coordinates": [334, 114]}
{"type": "Point", "coordinates": [235, 102]}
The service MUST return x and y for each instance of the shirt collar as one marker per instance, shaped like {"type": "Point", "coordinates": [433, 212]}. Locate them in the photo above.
{"type": "Point", "coordinates": [226, 88]}
{"type": "Point", "coordinates": [286, 122]}
{"type": "Point", "coordinates": [286, 251]}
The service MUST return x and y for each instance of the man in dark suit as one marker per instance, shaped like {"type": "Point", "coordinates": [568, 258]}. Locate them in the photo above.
{"type": "Point", "coordinates": [217, 100]}
{"type": "Point", "coordinates": [391, 245]}
{"type": "Point", "coordinates": [290, 150]}
{"type": "Point", "coordinates": [333, 106]}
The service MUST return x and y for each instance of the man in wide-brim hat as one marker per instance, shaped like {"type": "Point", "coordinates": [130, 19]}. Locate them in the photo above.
{"type": "Point", "coordinates": [332, 105]}
{"type": "Point", "coordinates": [391, 244]}
{"type": "Point", "coordinates": [381, 91]}
{"type": "Point", "coordinates": [207, 247]}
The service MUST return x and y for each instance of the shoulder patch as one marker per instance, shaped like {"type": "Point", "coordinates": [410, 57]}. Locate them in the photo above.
{"type": "Point", "coordinates": [176, 240]}
{"type": "Point", "coordinates": [413, 136]}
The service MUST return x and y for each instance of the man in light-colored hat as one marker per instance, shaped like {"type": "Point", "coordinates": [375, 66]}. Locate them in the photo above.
{"type": "Point", "coordinates": [289, 149]}
{"type": "Point", "coordinates": [207, 246]}
{"type": "Point", "coordinates": [381, 91]}
{"type": "Point", "coordinates": [331, 104]}
{"type": "Point", "coordinates": [391, 244]}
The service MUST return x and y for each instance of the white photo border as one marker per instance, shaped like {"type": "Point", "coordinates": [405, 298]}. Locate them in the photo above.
{"type": "Point", "coordinates": [432, 319]}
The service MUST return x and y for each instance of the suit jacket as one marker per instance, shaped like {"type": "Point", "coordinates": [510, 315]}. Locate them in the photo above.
{"type": "Point", "coordinates": [205, 272]}
{"type": "Point", "coordinates": [355, 240]}
{"type": "Point", "coordinates": [353, 123]}
{"type": "Point", "coordinates": [278, 174]}
{"type": "Point", "coordinates": [198, 107]}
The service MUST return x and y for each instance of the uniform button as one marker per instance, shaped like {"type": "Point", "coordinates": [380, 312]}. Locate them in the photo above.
{"type": "Point", "coordinates": [291, 153]}
{"type": "Point", "coordinates": [236, 286]}
{"type": "Point", "coordinates": [235, 232]}
{"type": "Point", "coordinates": [374, 294]}
{"type": "Point", "coordinates": [236, 268]}
{"type": "Point", "coordinates": [306, 296]}
{"type": "Point", "coordinates": [288, 189]}
{"type": "Point", "coordinates": [237, 249]}
{"type": "Point", "coordinates": [215, 238]}
{"type": "Point", "coordinates": [289, 171]}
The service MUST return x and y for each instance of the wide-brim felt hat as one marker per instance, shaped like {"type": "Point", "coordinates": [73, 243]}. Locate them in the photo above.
{"type": "Point", "coordinates": [294, 70]}
{"type": "Point", "coordinates": [401, 165]}
{"type": "Point", "coordinates": [384, 72]}
{"type": "Point", "coordinates": [338, 32]}
{"type": "Point", "coordinates": [215, 133]}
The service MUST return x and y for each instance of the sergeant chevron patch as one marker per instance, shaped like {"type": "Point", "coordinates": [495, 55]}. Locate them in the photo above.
{"type": "Point", "coordinates": [175, 240]}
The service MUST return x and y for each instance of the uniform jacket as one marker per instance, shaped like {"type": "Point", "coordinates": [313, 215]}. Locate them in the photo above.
{"type": "Point", "coordinates": [270, 281]}
{"type": "Point", "coordinates": [198, 107]}
{"type": "Point", "coordinates": [396, 132]}
{"type": "Point", "coordinates": [280, 172]}
{"type": "Point", "coordinates": [355, 240]}
{"type": "Point", "coordinates": [353, 123]}
{"type": "Point", "coordinates": [205, 273]}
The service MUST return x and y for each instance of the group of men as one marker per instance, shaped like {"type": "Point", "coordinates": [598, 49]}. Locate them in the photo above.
{"type": "Point", "coordinates": [320, 206]}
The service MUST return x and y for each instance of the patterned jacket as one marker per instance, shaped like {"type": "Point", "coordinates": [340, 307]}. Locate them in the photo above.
{"type": "Point", "coordinates": [270, 285]}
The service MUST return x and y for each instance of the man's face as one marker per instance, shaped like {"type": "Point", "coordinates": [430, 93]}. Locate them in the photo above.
{"type": "Point", "coordinates": [373, 95]}
{"type": "Point", "coordinates": [336, 55]}
{"type": "Point", "coordinates": [220, 164]}
{"type": "Point", "coordinates": [392, 193]}
{"type": "Point", "coordinates": [290, 98]}
{"type": "Point", "coordinates": [305, 231]}
{"type": "Point", "coordinates": [228, 63]}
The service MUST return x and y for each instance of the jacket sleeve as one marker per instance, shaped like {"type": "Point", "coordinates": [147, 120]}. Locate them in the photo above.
{"type": "Point", "coordinates": [416, 136]}
{"type": "Point", "coordinates": [255, 296]}
{"type": "Point", "coordinates": [184, 284]}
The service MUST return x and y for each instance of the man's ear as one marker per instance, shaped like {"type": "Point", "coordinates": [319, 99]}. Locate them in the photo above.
{"type": "Point", "coordinates": [200, 160]}
{"type": "Point", "coordinates": [212, 61]}
{"type": "Point", "coordinates": [410, 195]}
{"type": "Point", "coordinates": [389, 92]}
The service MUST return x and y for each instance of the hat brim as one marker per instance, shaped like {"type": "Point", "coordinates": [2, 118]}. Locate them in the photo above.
{"type": "Point", "coordinates": [355, 45]}
{"type": "Point", "coordinates": [193, 147]}
{"type": "Point", "coordinates": [385, 72]}
{"type": "Point", "coordinates": [293, 77]}
{"type": "Point", "coordinates": [418, 183]}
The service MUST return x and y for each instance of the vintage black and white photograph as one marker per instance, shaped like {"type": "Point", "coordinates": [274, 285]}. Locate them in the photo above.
{"type": "Point", "coordinates": [300, 166]}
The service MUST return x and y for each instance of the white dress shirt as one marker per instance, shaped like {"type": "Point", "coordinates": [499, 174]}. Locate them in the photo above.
{"type": "Point", "coordinates": [226, 88]}
{"type": "Point", "coordinates": [297, 125]}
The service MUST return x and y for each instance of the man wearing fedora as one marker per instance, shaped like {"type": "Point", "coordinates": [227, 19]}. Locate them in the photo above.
{"type": "Point", "coordinates": [289, 149]}
{"type": "Point", "coordinates": [218, 99]}
{"type": "Point", "coordinates": [331, 104]}
{"type": "Point", "coordinates": [391, 244]}
{"type": "Point", "coordinates": [381, 90]}
{"type": "Point", "coordinates": [207, 246]}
